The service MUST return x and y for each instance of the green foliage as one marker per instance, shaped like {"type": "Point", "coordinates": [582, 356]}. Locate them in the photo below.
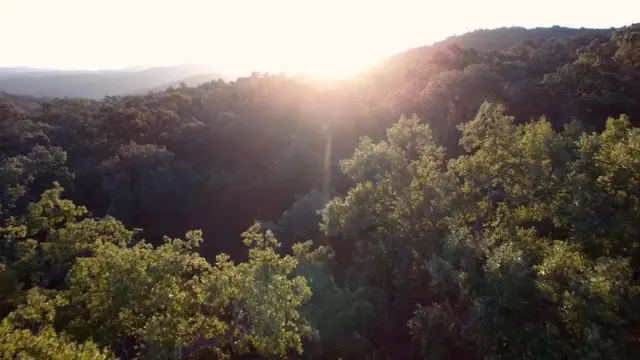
{"type": "Point", "coordinates": [145, 182]}
{"type": "Point", "coordinates": [41, 246]}
{"type": "Point", "coordinates": [28, 332]}
{"type": "Point", "coordinates": [83, 277]}
{"type": "Point", "coordinates": [46, 344]}
{"type": "Point", "coordinates": [503, 225]}
{"type": "Point", "coordinates": [266, 290]}
{"type": "Point", "coordinates": [341, 318]}
{"type": "Point", "coordinates": [151, 296]}
{"type": "Point", "coordinates": [301, 222]}
{"type": "Point", "coordinates": [519, 249]}
{"type": "Point", "coordinates": [18, 173]}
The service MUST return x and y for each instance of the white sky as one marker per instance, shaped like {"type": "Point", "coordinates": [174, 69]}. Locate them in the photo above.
{"type": "Point", "coordinates": [321, 36]}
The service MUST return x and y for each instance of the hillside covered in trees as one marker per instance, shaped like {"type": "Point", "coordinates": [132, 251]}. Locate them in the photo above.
{"type": "Point", "coordinates": [476, 199]}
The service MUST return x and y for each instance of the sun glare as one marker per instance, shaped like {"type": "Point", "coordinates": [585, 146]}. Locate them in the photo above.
{"type": "Point", "coordinates": [329, 38]}
{"type": "Point", "coordinates": [328, 66]}
{"type": "Point", "coordinates": [241, 36]}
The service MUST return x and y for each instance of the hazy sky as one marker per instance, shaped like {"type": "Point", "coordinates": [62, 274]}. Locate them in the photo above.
{"type": "Point", "coordinates": [323, 36]}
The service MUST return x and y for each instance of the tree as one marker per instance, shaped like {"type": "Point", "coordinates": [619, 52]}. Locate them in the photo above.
{"type": "Point", "coordinates": [66, 279]}
{"type": "Point", "coordinates": [46, 344]}
{"type": "Point", "coordinates": [28, 332]}
{"type": "Point", "coordinates": [486, 249]}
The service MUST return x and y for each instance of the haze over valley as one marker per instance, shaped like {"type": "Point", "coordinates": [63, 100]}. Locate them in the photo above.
{"type": "Point", "coordinates": [97, 84]}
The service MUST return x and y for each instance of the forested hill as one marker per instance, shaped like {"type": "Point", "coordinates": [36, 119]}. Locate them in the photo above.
{"type": "Point", "coordinates": [498, 222]}
{"type": "Point", "coordinates": [499, 39]}
{"type": "Point", "coordinates": [417, 60]}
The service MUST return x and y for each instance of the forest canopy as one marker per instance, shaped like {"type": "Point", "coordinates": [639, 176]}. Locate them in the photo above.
{"type": "Point", "coordinates": [452, 203]}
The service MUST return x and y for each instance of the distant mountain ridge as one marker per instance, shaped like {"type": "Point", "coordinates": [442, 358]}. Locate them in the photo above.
{"type": "Point", "coordinates": [189, 81]}
{"type": "Point", "coordinates": [137, 81]}
{"type": "Point", "coordinates": [100, 83]}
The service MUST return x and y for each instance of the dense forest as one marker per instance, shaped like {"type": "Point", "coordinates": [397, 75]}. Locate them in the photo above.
{"type": "Point", "coordinates": [475, 199]}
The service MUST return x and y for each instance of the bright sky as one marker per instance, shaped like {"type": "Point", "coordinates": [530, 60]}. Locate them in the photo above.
{"type": "Point", "coordinates": [324, 37]}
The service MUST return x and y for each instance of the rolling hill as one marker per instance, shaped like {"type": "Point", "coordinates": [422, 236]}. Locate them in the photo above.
{"type": "Point", "coordinates": [485, 40]}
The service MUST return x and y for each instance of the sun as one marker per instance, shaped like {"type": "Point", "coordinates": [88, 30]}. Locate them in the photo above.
{"type": "Point", "coordinates": [334, 69]}
{"type": "Point", "coordinates": [328, 61]}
